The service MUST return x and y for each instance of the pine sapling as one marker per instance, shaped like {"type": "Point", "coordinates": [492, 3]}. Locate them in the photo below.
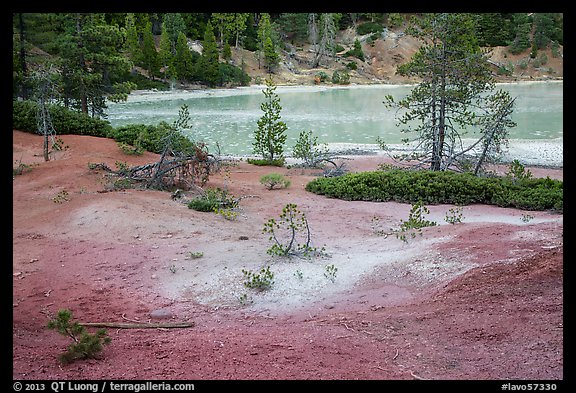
{"type": "Point", "coordinates": [84, 345]}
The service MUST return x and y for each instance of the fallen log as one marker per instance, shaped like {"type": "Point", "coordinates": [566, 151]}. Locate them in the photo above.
{"type": "Point", "coordinates": [126, 325]}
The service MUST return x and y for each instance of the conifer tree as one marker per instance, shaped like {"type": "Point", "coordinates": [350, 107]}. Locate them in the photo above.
{"type": "Point", "coordinates": [89, 61]}
{"type": "Point", "coordinates": [183, 62]}
{"type": "Point", "coordinates": [173, 24]}
{"type": "Point", "coordinates": [454, 93]}
{"type": "Point", "coordinates": [328, 35]}
{"type": "Point", "coordinates": [266, 46]}
{"type": "Point", "coordinates": [209, 61]}
{"type": "Point", "coordinates": [271, 133]}
{"type": "Point", "coordinates": [239, 25]}
{"type": "Point", "coordinates": [132, 43]}
{"type": "Point", "coordinates": [166, 57]}
{"type": "Point", "coordinates": [149, 53]}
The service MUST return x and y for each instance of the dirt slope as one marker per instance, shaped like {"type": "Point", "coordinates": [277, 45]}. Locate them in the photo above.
{"type": "Point", "coordinates": [382, 59]}
{"type": "Point", "coordinates": [482, 299]}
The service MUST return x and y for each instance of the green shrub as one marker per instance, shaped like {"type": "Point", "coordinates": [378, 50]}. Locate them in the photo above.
{"type": "Point", "coordinates": [202, 205]}
{"type": "Point", "coordinates": [369, 27]}
{"type": "Point", "coordinates": [260, 281]}
{"type": "Point", "coordinates": [322, 76]}
{"type": "Point", "coordinates": [340, 78]}
{"type": "Point", "coordinates": [64, 121]}
{"type": "Point", "coordinates": [356, 51]}
{"type": "Point", "coordinates": [231, 75]}
{"type": "Point", "coordinates": [274, 180]}
{"type": "Point", "coordinates": [144, 83]}
{"type": "Point", "coordinates": [151, 137]}
{"type": "Point", "coordinates": [395, 19]}
{"type": "Point", "coordinates": [308, 149]}
{"type": "Point", "coordinates": [442, 187]}
{"type": "Point", "coordinates": [263, 162]}
{"type": "Point", "coordinates": [213, 200]}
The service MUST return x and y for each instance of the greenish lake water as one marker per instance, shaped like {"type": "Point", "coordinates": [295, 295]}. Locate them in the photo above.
{"type": "Point", "coordinates": [349, 115]}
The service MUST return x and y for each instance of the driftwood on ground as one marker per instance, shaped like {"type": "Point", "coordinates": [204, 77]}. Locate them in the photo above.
{"type": "Point", "coordinates": [134, 325]}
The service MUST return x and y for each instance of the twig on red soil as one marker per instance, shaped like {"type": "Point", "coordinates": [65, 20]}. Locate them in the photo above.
{"type": "Point", "coordinates": [395, 356]}
{"type": "Point", "coordinates": [346, 326]}
{"type": "Point", "coordinates": [380, 368]}
{"type": "Point", "coordinates": [45, 310]}
{"type": "Point", "coordinates": [417, 377]}
{"type": "Point", "coordinates": [130, 320]}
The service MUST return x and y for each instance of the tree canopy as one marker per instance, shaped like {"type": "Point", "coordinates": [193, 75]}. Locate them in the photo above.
{"type": "Point", "coordinates": [454, 95]}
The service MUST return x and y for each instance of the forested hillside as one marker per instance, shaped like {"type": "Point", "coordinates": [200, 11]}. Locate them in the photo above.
{"type": "Point", "coordinates": [80, 60]}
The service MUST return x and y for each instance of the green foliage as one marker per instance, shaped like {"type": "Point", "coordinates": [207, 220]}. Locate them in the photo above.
{"type": "Point", "coordinates": [183, 60]}
{"type": "Point", "coordinates": [308, 149]}
{"type": "Point", "coordinates": [135, 150]}
{"type": "Point", "coordinates": [21, 168]}
{"type": "Point", "coordinates": [209, 63]}
{"type": "Point", "coordinates": [229, 213]}
{"type": "Point", "coordinates": [395, 19]}
{"type": "Point", "coordinates": [416, 217]}
{"type": "Point", "coordinates": [434, 187]}
{"type": "Point", "coordinates": [494, 29]}
{"type": "Point", "coordinates": [260, 281]}
{"type": "Point", "coordinates": [290, 233]}
{"type": "Point", "coordinates": [415, 222]}
{"type": "Point", "coordinates": [151, 137]}
{"type": "Point", "coordinates": [230, 75]}
{"type": "Point", "coordinates": [351, 65]}
{"type": "Point", "coordinates": [521, 40]}
{"type": "Point", "coordinates": [85, 345]}
{"type": "Point", "coordinates": [267, 45]}
{"type": "Point", "coordinates": [517, 171]}
{"type": "Point", "coordinates": [65, 121]}
{"type": "Point", "coordinates": [330, 272]}
{"type": "Point", "coordinates": [122, 184]}
{"type": "Point", "coordinates": [243, 299]}
{"type": "Point", "coordinates": [540, 60]}
{"type": "Point", "coordinates": [271, 133]}
{"type": "Point", "coordinates": [226, 51]}
{"type": "Point", "coordinates": [61, 197]}
{"type": "Point", "coordinates": [150, 59]}
{"type": "Point", "coordinates": [369, 27]}
{"type": "Point", "coordinates": [456, 81]}
{"type": "Point", "coordinates": [202, 204]}
{"type": "Point", "coordinates": [377, 226]}
{"type": "Point", "coordinates": [279, 162]}
{"type": "Point", "coordinates": [356, 51]}
{"type": "Point", "coordinates": [547, 27]}
{"type": "Point", "coordinates": [131, 44]}
{"type": "Point", "coordinates": [340, 77]}
{"type": "Point", "coordinates": [322, 76]}
{"type": "Point", "coordinates": [274, 180]}
{"type": "Point", "coordinates": [454, 215]}
{"type": "Point", "coordinates": [212, 200]}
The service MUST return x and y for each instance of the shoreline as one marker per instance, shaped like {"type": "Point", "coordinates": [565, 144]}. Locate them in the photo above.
{"type": "Point", "coordinates": [529, 152]}
{"type": "Point", "coordinates": [314, 87]}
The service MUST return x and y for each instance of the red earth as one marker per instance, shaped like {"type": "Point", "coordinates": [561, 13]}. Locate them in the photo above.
{"type": "Point", "coordinates": [477, 300]}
